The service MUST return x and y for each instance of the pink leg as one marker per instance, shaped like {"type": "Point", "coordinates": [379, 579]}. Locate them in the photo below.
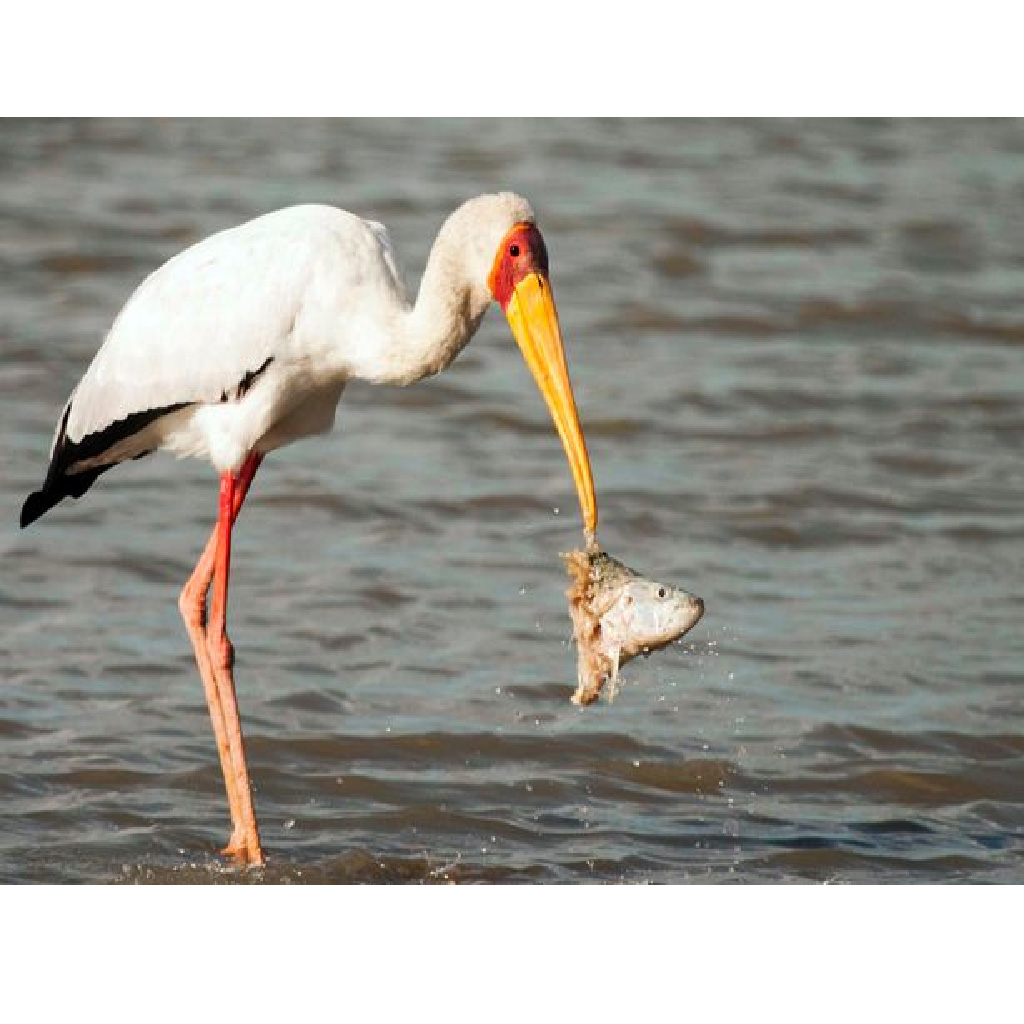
{"type": "Point", "coordinates": [218, 682]}
{"type": "Point", "coordinates": [222, 656]}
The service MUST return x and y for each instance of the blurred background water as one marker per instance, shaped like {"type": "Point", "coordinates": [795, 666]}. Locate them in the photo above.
{"type": "Point", "coordinates": [796, 348]}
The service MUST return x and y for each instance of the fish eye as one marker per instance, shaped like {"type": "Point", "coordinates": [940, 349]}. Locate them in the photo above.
{"type": "Point", "coordinates": [513, 250]}
{"type": "Point", "coordinates": [662, 592]}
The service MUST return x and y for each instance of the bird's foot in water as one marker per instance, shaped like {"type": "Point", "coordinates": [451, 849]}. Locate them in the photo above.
{"type": "Point", "coordinates": [241, 852]}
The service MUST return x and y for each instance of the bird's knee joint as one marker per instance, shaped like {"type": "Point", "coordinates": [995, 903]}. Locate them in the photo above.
{"type": "Point", "coordinates": [192, 607]}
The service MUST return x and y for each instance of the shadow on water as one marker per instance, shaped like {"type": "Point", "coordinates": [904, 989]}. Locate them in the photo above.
{"type": "Point", "coordinates": [354, 868]}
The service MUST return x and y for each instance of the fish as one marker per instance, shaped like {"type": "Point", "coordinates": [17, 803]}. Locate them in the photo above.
{"type": "Point", "coordinates": [617, 614]}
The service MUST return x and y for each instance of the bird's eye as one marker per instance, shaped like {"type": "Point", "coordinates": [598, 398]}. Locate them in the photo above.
{"type": "Point", "coordinates": [513, 250]}
{"type": "Point", "coordinates": [662, 592]}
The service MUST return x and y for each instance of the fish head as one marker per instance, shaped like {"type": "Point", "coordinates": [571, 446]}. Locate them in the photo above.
{"type": "Point", "coordinates": [646, 615]}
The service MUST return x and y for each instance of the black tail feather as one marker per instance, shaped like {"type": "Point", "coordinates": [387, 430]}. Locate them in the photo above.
{"type": "Point", "coordinates": [60, 484]}
{"type": "Point", "coordinates": [57, 489]}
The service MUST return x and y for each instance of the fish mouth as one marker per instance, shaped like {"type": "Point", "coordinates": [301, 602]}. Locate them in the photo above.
{"type": "Point", "coordinates": [533, 318]}
{"type": "Point", "coordinates": [693, 611]}
{"type": "Point", "coordinates": [696, 611]}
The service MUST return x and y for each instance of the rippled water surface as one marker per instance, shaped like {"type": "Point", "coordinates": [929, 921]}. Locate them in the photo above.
{"type": "Point", "coordinates": [797, 350]}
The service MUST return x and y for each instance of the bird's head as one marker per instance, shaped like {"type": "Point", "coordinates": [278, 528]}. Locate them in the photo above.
{"type": "Point", "coordinates": [518, 280]}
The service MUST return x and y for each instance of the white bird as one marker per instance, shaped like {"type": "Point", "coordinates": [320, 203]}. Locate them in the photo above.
{"type": "Point", "coordinates": [244, 342]}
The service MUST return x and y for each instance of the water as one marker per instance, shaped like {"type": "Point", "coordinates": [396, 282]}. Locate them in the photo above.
{"type": "Point", "coordinates": [797, 352]}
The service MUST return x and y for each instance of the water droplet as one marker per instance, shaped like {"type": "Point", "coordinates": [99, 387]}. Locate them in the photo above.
{"type": "Point", "coordinates": [556, 510]}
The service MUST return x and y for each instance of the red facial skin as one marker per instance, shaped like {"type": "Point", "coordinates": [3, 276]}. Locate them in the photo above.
{"type": "Point", "coordinates": [522, 252]}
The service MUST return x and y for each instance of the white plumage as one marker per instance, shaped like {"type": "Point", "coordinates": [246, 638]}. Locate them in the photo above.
{"type": "Point", "coordinates": [315, 289]}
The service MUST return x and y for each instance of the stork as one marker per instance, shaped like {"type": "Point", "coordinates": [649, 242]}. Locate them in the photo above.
{"type": "Point", "coordinates": [244, 343]}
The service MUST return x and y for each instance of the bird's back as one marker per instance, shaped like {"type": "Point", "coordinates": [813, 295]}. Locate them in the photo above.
{"type": "Point", "coordinates": [218, 310]}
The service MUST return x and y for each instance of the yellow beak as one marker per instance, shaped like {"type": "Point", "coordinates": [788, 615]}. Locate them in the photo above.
{"type": "Point", "coordinates": [534, 321]}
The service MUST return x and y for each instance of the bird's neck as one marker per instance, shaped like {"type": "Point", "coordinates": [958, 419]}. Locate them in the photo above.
{"type": "Point", "coordinates": [448, 309]}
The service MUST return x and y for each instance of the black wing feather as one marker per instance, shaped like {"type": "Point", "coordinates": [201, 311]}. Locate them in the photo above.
{"type": "Point", "coordinates": [59, 484]}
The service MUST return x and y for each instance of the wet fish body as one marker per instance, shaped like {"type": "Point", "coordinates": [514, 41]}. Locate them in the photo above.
{"type": "Point", "coordinates": [617, 613]}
